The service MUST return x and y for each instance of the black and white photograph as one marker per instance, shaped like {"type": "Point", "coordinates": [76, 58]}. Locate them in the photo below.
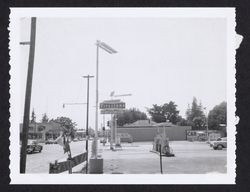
{"type": "Point", "coordinates": [122, 96]}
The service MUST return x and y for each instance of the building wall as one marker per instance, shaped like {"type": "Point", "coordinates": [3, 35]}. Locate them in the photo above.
{"type": "Point", "coordinates": [176, 133]}
{"type": "Point", "coordinates": [42, 131]}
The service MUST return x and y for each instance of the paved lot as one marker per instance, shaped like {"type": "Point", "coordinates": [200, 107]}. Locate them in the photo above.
{"type": "Point", "coordinates": [39, 162]}
{"type": "Point", "coordinates": [190, 158]}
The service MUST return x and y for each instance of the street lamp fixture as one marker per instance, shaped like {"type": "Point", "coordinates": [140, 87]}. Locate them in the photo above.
{"type": "Point", "coordinates": [25, 43]}
{"type": "Point", "coordinates": [105, 47]}
{"type": "Point", "coordinates": [73, 104]}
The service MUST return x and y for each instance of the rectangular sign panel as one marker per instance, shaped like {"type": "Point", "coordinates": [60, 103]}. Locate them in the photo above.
{"type": "Point", "coordinates": [112, 105]}
{"type": "Point", "coordinates": [111, 111]}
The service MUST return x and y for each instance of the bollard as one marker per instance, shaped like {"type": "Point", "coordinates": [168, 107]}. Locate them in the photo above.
{"type": "Point", "coordinates": [96, 165]}
{"type": "Point", "coordinates": [70, 166]}
{"type": "Point", "coordinates": [160, 160]}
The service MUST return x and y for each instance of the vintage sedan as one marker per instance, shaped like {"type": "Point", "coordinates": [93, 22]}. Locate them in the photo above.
{"type": "Point", "coordinates": [220, 143]}
{"type": "Point", "coordinates": [125, 137]}
{"type": "Point", "coordinates": [33, 146]}
{"type": "Point", "coordinates": [50, 141]}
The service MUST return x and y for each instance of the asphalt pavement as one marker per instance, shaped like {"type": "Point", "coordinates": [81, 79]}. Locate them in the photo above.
{"type": "Point", "coordinates": [190, 158]}
{"type": "Point", "coordinates": [136, 158]}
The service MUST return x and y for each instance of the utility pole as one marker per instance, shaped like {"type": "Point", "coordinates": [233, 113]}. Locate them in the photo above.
{"type": "Point", "coordinates": [206, 118]}
{"type": "Point", "coordinates": [87, 120]}
{"type": "Point", "coordinates": [28, 95]}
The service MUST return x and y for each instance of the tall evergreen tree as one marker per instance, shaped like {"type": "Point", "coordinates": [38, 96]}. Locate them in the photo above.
{"type": "Point", "coordinates": [195, 116]}
{"type": "Point", "coordinates": [45, 118]}
{"type": "Point", "coordinates": [33, 116]}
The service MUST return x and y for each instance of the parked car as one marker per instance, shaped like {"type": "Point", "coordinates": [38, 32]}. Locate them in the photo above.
{"type": "Point", "coordinates": [219, 144]}
{"type": "Point", "coordinates": [50, 141]}
{"type": "Point", "coordinates": [103, 140]}
{"type": "Point", "coordinates": [211, 143]}
{"type": "Point", "coordinates": [33, 146]}
{"type": "Point", "coordinates": [80, 139]}
{"type": "Point", "coordinates": [75, 140]}
{"type": "Point", "coordinates": [125, 137]}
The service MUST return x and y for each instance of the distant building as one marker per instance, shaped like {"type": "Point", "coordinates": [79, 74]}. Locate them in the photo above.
{"type": "Point", "coordinates": [141, 123]}
{"type": "Point", "coordinates": [201, 135]}
{"type": "Point", "coordinates": [146, 130]}
{"type": "Point", "coordinates": [43, 131]}
{"type": "Point", "coordinates": [80, 133]}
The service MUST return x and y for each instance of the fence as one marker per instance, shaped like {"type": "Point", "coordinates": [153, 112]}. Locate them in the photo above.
{"type": "Point", "coordinates": [59, 167]}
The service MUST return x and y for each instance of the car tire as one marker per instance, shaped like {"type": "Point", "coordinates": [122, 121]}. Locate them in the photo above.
{"type": "Point", "coordinates": [219, 147]}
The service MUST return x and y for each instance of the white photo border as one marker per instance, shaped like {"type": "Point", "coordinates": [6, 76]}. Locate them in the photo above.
{"type": "Point", "coordinates": [17, 178]}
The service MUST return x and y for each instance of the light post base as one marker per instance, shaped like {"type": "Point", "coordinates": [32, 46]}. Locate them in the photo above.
{"type": "Point", "coordinates": [96, 165]}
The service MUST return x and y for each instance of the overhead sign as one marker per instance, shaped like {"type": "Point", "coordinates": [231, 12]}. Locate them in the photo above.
{"type": "Point", "coordinates": [112, 104]}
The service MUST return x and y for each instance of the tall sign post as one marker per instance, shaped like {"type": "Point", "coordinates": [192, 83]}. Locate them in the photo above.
{"type": "Point", "coordinates": [87, 120]}
{"type": "Point", "coordinates": [112, 107]}
{"type": "Point", "coordinates": [96, 163]}
{"type": "Point", "coordinates": [25, 128]}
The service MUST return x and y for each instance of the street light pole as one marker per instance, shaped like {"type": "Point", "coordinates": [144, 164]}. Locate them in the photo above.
{"type": "Point", "coordinates": [87, 120]}
{"type": "Point", "coordinates": [94, 150]}
{"type": "Point", "coordinates": [28, 95]}
{"type": "Point", "coordinates": [96, 164]}
{"type": "Point", "coordinates": [110, 50]}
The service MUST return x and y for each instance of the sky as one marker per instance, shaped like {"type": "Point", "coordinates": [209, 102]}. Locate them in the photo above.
{"type": "Point", "coordinates": [158, 60]}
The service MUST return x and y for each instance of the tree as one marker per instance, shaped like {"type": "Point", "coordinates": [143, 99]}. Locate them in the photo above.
{"type": "Point", "coordinates": [157, 114]}
{"type": "Point", "coordinates": [195, 115]}
{"type": "Point", "coordinates": [181, 121]}
{"type": "Point", "coordinates": [45, 118]}
{"type": "Point", "coordinates": [33, 116]}
{"type": "Point", "coordinates": [171, 112]}
{"type": "Point", "coordinates": [217, 116]}
{"type": "Point", "coordinates": [167, 111]}
{"type": "Point", "coordinates": [67, 124]}
{"type": "Point", "coordinates": [130, 116]}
